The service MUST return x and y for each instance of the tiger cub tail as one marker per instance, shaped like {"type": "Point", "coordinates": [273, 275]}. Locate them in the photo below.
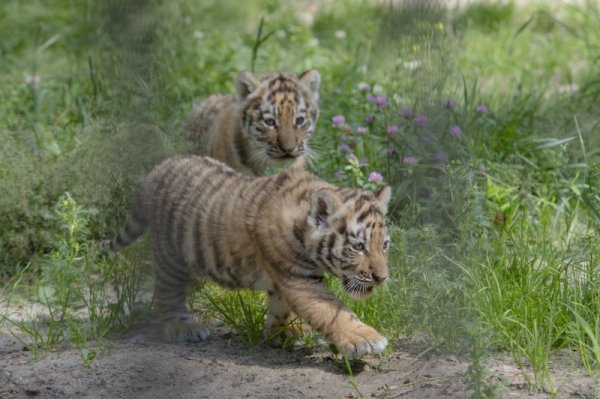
{"type": "Point", "coordinates": [136, 226]}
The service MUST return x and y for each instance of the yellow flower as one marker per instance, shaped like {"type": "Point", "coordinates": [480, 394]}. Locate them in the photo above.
{"type": "Point", "coordinates": [439, 26]}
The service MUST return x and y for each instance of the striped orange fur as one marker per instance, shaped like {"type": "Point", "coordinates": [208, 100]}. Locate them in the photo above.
{"type": "Point", "coordinates": [267, 122]}
{"type": "Point", "coordinates": [278, 233]}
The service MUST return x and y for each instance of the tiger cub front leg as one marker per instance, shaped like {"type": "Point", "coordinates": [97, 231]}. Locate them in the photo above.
{"type": "Point", "coordinates": [281, 321]}
{"type": "Point", "coordinates": [330, 317]}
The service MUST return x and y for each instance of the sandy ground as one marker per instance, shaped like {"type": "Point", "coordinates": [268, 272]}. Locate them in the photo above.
{"type": "Point", "coordinates": [139, 364]}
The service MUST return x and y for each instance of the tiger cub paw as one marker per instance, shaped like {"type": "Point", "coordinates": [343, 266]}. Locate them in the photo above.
{"type": "Point", "coordinates": [185, 329]}
{"type": "Point", "coordinates": [361, 341]}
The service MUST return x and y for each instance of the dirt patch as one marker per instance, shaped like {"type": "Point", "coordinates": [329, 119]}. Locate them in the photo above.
{"type": "Point", "coordinates": [141, 365]}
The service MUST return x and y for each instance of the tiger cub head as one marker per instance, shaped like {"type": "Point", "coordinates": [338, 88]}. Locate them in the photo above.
{"type": "Point", "coordinates": [279, 112]}
{"type": "Point", "coordinates": [349, 238]}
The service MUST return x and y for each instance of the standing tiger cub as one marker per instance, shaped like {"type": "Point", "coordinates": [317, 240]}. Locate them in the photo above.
{"type": "Point", "coordinates": [278, 233]}
{"type": "Point", "coordinates": [267, 122]}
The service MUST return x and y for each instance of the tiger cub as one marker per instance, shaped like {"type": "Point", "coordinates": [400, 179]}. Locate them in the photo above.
{"type": "Point", "coordinates": [277, 233]}
{"type": "Point", "coordinates": [266, 123]}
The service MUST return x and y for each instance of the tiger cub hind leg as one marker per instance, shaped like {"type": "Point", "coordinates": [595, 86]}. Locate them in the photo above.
{"type": "Point", "coordinates": [169, 296]}
{"type": "Point", "coordinates": [182, 327]}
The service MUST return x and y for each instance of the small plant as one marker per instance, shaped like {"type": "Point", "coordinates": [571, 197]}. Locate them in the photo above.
{"type": "Point", "coordinates": [585, 334]}
{"type": "Point", "coordinates": [43, 336]}
{"type": "Point", "coordinates": [84, 295]}
{"type": "Point", "coordinates": [348, 368]}
{"type": "Point", "coordinates": [477, 369]}
{"type": "Point", "coordinates": [260, 39]}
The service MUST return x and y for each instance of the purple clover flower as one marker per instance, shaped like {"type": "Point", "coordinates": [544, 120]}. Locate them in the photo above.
{"type": "Point", "coordinates": [440, 157]}
{"type": "Point", "coordinates": [481, 109]}
{"type": "Point", "coordinates": [345, 147]}
{"type": "Point", "coordinates": [371, 99]}
{"type": "Point", "coordinates": [340, 174]}
{"type": "Point", "coordinates": [375, 177]}
{"type": "Point", "coordinates": [406, 113]}
{"type": "Point", "coordinates": [410, 160]}
{"type": "Point", "coordinates": [450, 103]}
{"type": "Point", "coordinates": [455, 131]}
{"type": "Point", "coordinates": [392, 130]}
{"type": "Point", "coordinates": [381, 101]}
{"type": "Point", "coordinates": [421, 121]}
{"type": "Point", "coordinates": [338, 120]}
{"type": "Point", "coordinates": [361, 130]}
{"type": "Point", "coordinates": [369, 120]}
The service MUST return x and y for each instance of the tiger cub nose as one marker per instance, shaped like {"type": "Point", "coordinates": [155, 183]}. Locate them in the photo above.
{"type": "Point", "coordinates": [378, 279]}
{"type": "Point", "coordinates": [287, 144]}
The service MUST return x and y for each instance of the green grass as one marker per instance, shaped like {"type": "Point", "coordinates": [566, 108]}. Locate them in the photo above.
{"type": "Point", "coordinates": [244, 311]}
{"type": "Point", "coordinates": [495, 232]}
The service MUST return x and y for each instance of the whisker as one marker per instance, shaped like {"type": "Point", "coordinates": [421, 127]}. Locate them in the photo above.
{"type": "Point", "coordinates": [312, 154]}
{"type": "Point", "coordinates": [259, 156]}
{"type": "Point", "coordinates": [354, 284]}
{"type": "Point", "coordinates": [313, 151]}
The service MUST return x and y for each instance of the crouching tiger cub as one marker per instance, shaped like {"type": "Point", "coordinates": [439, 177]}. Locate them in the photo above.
{"type": "Point", "coordinates": [267, 122]}
{"type": "Point", "coordinates": [277, 233]}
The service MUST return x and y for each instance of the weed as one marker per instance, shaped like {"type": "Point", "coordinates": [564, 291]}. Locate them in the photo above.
{"type": "Point", "coordinates": [83, 296]}
{"type": "Point", "coordinates": [353, 382]}
{"type": "Point", "coordinates": [244, 311]}
{"type": "Point", "coordinates": [477, 371]}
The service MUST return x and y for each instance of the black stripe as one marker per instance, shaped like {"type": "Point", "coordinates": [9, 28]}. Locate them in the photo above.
{"type": "Point", "coordinates": [363, 215]}
{"type": "Point", "coordinates": [346, 194]}
{"type": "Point", "coordinates": [217, 214]}
{"type": "Point", "coordinates": [283, 178]}
{"type": "Point", "coordinates": [181, 184]}
{"type": "Point", "coordinates": [341, 228]}
{"type": "Point", "coordinates": [241, 150]}
{"type": "Point", "coordinates": [162, 208]}
{"type": "Point", "coordinates": [300, 259]}
{"type": "Point", "coordinates": [220, 280]}
{"type": "Point", "coordinates": [346, 266]}
{"type": "Point", "coordinates": [299, 233]}
{"type": "Point", "coordinates": [360, 202]}
{"type": "Point", "coordinates": [299, 184]}
{"type": "Point", "coordinates": [260, 191]}
{"type": "Point", "coordinates": [330, 244]}
{"type": "Point", "coordinates": [169, 268]}
{"type": "Point", "coordinates": [320, 255]}
{"type": "Point", "coordinates": [178, 230]}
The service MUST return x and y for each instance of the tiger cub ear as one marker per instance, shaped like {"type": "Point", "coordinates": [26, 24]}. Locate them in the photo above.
{"type": "Point", "coordinates": [245, 84]}
{"type": "Point", "coordinates": [323, 204]}
{"type": "Point", "coordinates": [312, 80]}
{"type": "Point", "coordinates": [383, 196]}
